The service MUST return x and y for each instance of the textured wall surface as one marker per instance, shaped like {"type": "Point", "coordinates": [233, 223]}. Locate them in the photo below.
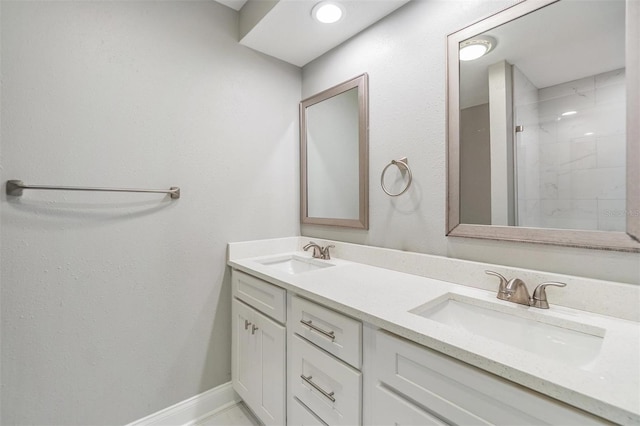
{"type": "Point", "coordinates": [404, 55]}
{"type": "Point", "coordinates": [115, 306]}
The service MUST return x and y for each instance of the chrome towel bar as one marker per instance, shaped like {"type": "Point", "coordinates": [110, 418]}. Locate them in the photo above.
{"type": "Point", "coordinates": [15, 188]}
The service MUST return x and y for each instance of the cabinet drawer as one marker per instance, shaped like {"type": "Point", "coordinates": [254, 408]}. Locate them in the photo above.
{"type": "Point", "coordinates": [329, 387]}
{"type": "Point", "coordinates": [265, 297]}
{"type": "Point", "coordinates": [300, 415]}
{"type": "Point", "coordinates": [459, 393]}
{"type": "Point", "coordinates": [390, 408]}
{"type": "Point", "coordinates": [332, 331]}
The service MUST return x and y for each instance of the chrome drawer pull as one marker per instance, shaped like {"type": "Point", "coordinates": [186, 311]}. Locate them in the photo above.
{"type": "Point", "coordinates": [329, 334]}
{"type": "Point", "coordinates": [329, 395]}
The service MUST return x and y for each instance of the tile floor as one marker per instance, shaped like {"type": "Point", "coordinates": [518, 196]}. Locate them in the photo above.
{"type": "Point", "coordinates": [236, 415]}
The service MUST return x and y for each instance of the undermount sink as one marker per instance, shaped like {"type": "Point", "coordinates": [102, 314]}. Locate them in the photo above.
{"type": "Point", "coordinates": [296, 264]}
{"type": "Point", "coordinates": [558, 339]}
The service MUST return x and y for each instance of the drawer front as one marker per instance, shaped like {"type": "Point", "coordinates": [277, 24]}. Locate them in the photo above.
{"type": "Point", "coordinates": [300, 415]}
{"type": "Point", "coordinates": [390, 408]}
{"type": "Point", "coordinates": [458, 393]}
{"type": "Point", "coordinates": [329, 387]}
{"type": "Point", "coordinates": [332, 331]}
{"type": "Point", "coordinates": [267, 298]}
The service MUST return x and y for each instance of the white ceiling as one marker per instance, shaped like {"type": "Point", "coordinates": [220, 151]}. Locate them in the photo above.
{"type": "Point", "coordinates": [562, 42]}
{"type": "Point", "coordinates": [288, 32]}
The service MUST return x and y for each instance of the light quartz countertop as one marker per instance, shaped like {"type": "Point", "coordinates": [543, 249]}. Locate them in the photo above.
{"type": "Point", "coordinates": [608, 387]}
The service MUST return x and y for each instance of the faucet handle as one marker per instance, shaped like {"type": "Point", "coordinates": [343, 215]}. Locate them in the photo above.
{"type": "Point", "coordinates": [317, 250]}
{"type": "Point", "coordinates": [325, 252]}
{"type": "Point", "coordinates": [503, 281]}
{"type": "Point", "coordinates": [539, 299]}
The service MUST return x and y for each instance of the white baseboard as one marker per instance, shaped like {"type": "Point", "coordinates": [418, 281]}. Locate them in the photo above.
{"type": "Point", "coordinates": [191, 410]}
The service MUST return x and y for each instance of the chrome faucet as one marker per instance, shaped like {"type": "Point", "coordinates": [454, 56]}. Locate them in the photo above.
{"type": "Point", "coordinates": [319, 252]}
{"type": "Point", "coordinates": [515, 290]}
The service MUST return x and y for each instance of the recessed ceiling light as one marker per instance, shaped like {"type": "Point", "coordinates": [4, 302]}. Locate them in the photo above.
{"type": "Point", "coordinates": [564, 114]}
{"type": "Point", "coordinates": [476, 47]}
{"type": "Point", "coordinates": [588, 134]}
{"type": "Point", "coordinates": [327, 12]}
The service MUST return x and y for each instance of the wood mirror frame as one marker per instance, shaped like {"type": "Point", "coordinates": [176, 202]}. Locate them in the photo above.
{"type": "Point", "coordinates": [362, 221]}
{"type": "Point", "coordinates": [628, 241]}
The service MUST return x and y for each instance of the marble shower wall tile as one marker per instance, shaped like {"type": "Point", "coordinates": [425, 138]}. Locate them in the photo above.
{"type": "Point", "coordinates": [581, 157]}
{"type": "Point", "coordinates": [612, 215]}
{"type": "Point", "coordinates": [611, 77]}
{"type": "Point", "coordinates": [564, 90]}
{"type": "Point", "coordinates": [611, 150]}
{"type": "Point", "coordinates": [598, 184]}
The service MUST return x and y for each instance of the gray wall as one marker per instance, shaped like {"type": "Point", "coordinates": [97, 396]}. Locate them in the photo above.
{"type": "Point", "coordinates": [404, 55]}
{"type": "Point", "coordinates": [115, 306]}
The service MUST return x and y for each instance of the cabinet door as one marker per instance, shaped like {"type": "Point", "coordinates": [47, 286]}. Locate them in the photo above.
{"type": "Point", "coordinates": [269, 361]}
{"type": "Point", "coordinates": [258, 362]}
{"type": "Point", "coordinates": [243, 352]}
{"type": "Point", "coordinates": [458, 393]}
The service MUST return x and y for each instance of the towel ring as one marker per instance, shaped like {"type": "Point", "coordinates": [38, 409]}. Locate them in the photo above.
{"type": "Point", "coordinates": [401, 163]}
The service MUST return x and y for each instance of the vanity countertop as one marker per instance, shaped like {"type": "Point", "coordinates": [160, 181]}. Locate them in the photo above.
{"type": "Point", "coordinates": [608, 387]}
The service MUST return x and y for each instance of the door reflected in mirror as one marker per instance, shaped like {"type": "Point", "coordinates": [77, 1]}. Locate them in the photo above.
{"type": "Point", "coordinates": [334, 156]}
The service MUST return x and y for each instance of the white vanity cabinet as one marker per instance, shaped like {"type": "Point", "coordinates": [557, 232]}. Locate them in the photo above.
{"type": "Point", "coordinates": [325, 357]}
{"type": "Point", "coordinates": [407, 383]}
{"type": "Point", "coordinates": [258, 353]}
{"type": "Point", "coordinates": [297, 362]}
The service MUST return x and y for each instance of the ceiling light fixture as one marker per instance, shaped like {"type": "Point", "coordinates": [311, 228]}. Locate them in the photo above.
{"type": "Point", "coordinates": [476, 47]}
{"type": "Point", "coordinates": [328, 12]}
{"type": "Point", "coordinates": [565, 114]}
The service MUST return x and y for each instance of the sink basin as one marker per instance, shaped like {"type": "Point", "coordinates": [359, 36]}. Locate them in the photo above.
{"type": "Point", "coordinates": [521, 327]}
{"type": "Point", "coordinates": [296, 264]}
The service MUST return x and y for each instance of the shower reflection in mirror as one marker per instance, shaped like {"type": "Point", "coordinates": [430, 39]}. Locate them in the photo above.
{"type": "Point", "coordinates": [542, 120]}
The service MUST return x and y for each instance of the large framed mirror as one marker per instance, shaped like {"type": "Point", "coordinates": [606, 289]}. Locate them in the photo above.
{"type": "Point", "coordinates": [544, 125]}
{"type": "Point", "coordinates": [334, 156]}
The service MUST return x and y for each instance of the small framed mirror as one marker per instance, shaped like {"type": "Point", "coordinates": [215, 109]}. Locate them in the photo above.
{"type": "Point", "coordinates": [334, 156]}
{"type": "Point", "coordinates": [543, 130]}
